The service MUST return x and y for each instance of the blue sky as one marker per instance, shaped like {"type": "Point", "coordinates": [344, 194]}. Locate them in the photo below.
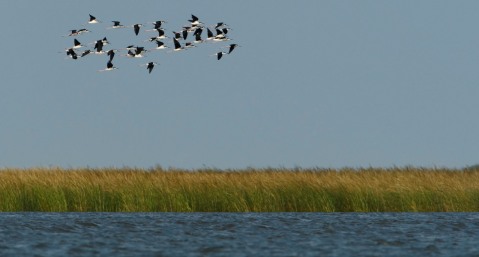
{"type": "Point", "coordinates": [315, 83]}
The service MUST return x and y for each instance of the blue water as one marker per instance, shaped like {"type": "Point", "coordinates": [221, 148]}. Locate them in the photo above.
{"type": "Point", "coordinates": [239, 234]}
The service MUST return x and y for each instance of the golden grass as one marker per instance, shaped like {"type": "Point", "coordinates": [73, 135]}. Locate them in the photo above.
{"type": "Point", "coordinates": [251, 190]}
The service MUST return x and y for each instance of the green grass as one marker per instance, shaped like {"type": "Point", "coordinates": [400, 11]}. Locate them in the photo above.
{"type": "Point", "coordinates": [406, 189]}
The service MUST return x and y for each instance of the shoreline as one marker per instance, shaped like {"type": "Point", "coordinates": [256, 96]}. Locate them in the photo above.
{"type": "Point", "coordinates": [395, 189]}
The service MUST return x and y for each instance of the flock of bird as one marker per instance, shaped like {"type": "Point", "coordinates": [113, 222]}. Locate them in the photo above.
{"type": "Point", "coordinates": [194, 27]}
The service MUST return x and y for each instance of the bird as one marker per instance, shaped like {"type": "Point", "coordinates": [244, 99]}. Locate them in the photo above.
{"type": "Point", "coordinates": [132, 47]}
{"type": "Point", "coordinates": [137, 28]}
{"type": "Point", "coordinates": [93, 20]}
{"type": "Point", "coordinates": [178, 35]}
{"type": "Point", "coordinates": [85, 53]}
{"type": "Point", "coordinates": [210, 35]}
{"type": "Point", "coordinates": [189, 45]}
{"type": "Point", "coordinates": [109, 66]}
{"type": "Point", "coordinates": [161, 45]}
{"type": "Point", "coordinates": [157, 25]}
{"type": "Point", "coordinates": [220, 54]}
{"type": "Point", "coordinates": [216, 40]}
{"type": "Point", "coordinates": [161, 33]}
{"type": "Point", "coordinates": [75, 47]}
{"type": "Point", "coordinates": [111, 53]}
{"type": "Point", "coordinates": [225, 30]}
{"type": "Point", "coordinates": [219, 24]}
{"type": "Point", "coordinates": [82, 31]}
{"type": "Point", "coordinates": [99, 46]}
{"type": "Point", "coordinates": [194, 20]}
{"type": "Point", "coordinates": [71, 54]}
{"type": "Point", "coordinates": [137, 54]}
{"type": "Point", "coordinates": [116, 25]}
{"type": "Point", "coordinates": [177, 47]}
{"type": "Point", "coordinates": [199, 31]}
{"type": "Point", "coordinates": [73, 32]}
{"type": "Point", "coordinates": [219, 34]}
{"type": "Point", "coordinates": [231, 47]}
{"type": "Point", "coordinates": [150, 65]}
{"type": "Point", "coordinates": [104, 41]}
{"type": "Point", "coordinates": [191, 29]}
{"type": "Point", "coordinates": [198, 39]}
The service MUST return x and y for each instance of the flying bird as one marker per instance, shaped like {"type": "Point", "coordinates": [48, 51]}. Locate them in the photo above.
{"type": "Point", "coordinates": [219, 24]}
{"type": "Point", "coordinates": [137, 28]}
{"type": "Point", "coordinates": [109, 66]}
{"type": "Point", "coordinates": [111, 53]}
{"type": "Point", "coordinates": [161, 33]}
{"type": "Point", "coordinates": [75, 47]}
{"type": "Point", "coordinates": [231, 47]}
{"type": "Point", "coordinates": [116, 25]}
{"type": "Point", "coordinates": [160, 44]}
{"type": "Point", "coordinates": [177, 47]}
{"type": "Point", "coordinates": [220, 54]}
{"type": "Point", "coordinates": [150, 65]}
{"type": "Point", "coordinates": [93, 20]}
{"type": "Point", "coordinates": [71, 54]}
{"type": "Point", "coordinates": [194, 20]}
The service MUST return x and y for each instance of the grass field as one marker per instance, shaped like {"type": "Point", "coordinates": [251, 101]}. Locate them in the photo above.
{"type": "Point", "coordinates": [396, 189]}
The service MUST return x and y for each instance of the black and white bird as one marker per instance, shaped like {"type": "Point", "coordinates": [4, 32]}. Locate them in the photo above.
{"type": "Point", "coordinates": [220, 54]}
{"type": "Point", "coordinates": [231, 47]}
{"type": "Point", "coordinates": [93, 20]}
{"type": "Point", "coordinates": [75, 47]}
{"type": "Point", "coordinates": [177, 47]}
{"type": "Point", "coordinates": [116, 25]}
{"type": "Point", "coordinates": [85, 53]}
{"type": "Point", "coordinates": [216, 40]}
{"type": "Point", "coordinates": [136, 27]}
{"type": "Point", "coordinates": [104, 42]}
{"type": "Point", "coordinates": [132, 47]}
{"type": "Point", "coordinates": [219, 34]}
{"type": "Point", "coordinates": [83, 31]}
{"type": "Point", "coordinates": [157, 25]}
{"type": "Point", "coordinates": [225, 30]}
{"type": "Point", "coordinates": [199, 31]}
{"type": "Point", "coordinates": [179, 35]}
{"type": "Point", "coordinates": [161, 35]}
{"type": "Point", "coordinates": [219, 24]}
{"type": "Point", "coordinates": [150, 65]}
{"type": "Point", "coordinates": [99, 47]}
{"type": "Point", "coordinates": [111, 53]}
{"type": "Point", "coordinates": [71, 54]}
{"type": "Point", "coordinates": [109, 66]}
{"type": "Point", "coordinates": [73, 32]}
{"type": "Point", "coordinates": [210, 35]}
{"type": "Point", "coordinates": [198, 39]}
{"type": "Point", "coordinates": [160, 46]}
{"type": "Point", "coordinates": [194, 20]}
{"type": "Point", "coordinates": [137, 54]}
{"type": "Point", "coordinates": [189, 45]}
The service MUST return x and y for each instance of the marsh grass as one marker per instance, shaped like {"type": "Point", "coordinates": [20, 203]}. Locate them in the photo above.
{"type": "Point", "coordinates": [405, 189]}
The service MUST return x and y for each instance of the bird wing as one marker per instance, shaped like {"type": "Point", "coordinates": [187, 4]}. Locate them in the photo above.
{"type": "Point", "coordinates": [159, 43]}
{"type": "Point", "coordinates": [92, 18]}
{"type": "Point", "coordinates": [231, 48]}
{"type": "Point", "coordinates": [177, 44]}
{"type": "Point", "coordinates": [194, 17]}
{"type": "Point", "coordinates": [137, 29]}
{"type": "Point", "coordinates": [220, 54]}
{"type": "Point", "coordinates": [109, 65]}
{"type": "Point", "coordinates": [77, 43]}
{"type": "Point", "coordinates": [116, 23]}
{"type": "Point", "coordinates": [210, 34]}
{"type": "Point", "coordinates": [185, 34]}
{"type": "Point", "coordinates": [198, 37]}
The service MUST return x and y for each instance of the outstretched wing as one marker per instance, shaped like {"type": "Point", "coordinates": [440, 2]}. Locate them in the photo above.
{"type": "Point", "coordinates": [177, 44]}
{"type": "Point", "coordinates": [92, 18]}
{"type": "Point", "coordinates": [194, 18]}
{"type": "Point", "coordinates": [109, 65]}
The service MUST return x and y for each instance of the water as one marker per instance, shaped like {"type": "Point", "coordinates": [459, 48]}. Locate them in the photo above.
{"type": "Point", "coordinates": [239, 234]}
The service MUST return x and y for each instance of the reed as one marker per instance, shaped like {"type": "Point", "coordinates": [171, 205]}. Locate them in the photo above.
{"type": "Point", "coordinates": [396, 189]}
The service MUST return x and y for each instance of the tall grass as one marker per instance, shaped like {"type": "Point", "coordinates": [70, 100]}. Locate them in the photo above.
{"type": "Point", "coordinates": [126, 189]}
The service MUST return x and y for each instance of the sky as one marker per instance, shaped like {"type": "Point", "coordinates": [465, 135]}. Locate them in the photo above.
{"type": "Point", "coordinates": [314, 84]}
